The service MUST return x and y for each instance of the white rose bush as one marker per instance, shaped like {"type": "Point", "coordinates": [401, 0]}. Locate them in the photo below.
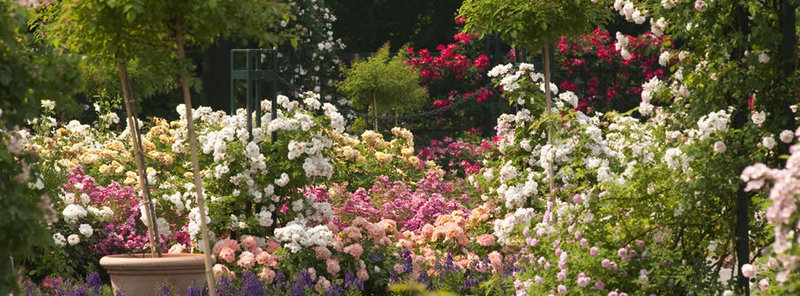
{"type": "Point", "coordinates": [693, 192]}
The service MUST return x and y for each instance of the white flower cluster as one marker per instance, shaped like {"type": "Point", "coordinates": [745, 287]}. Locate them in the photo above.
{"type": "Point", "coordinates": [508, 172]}
{"type": "Point", "coordinates": [59, 239]}
{"type": "Point", "coordinates": [648, 89]}
{"type": "Point", "coordinates": [81, 130]}
{"type": "Point", "coordinates": [504, 227]}
{"type": "Point", "coordinates": [103, 213]}
{"type": "Point", "coordinates": [622, 46]}
{"type": "Point", "coordinates": [194, 222]}
{"type": "Point", "coordinates": [296, 235]}
{"type": "Point", "coordinates": [86, 230]}
{"type": "Point", "coordinates": [569, 98]}
{"type": "Point", "coordinates": [317, 144]}
{"type": "Point", "coordinates": [73, 212]}
{"type": "Point", "coordinates": [265, 217]}
{"type": "Point", "coordinates": [658, 27]}
{"type": "Point", "coordinates": [675, 158]}
{"type": "Point", "coordinates": [317, 165]}
{"type": "Point", "coordinates": [663, 58]}
{"type": "Point", "coordinates": [337, 120]}
{"type": "Point", "coordinates": [630, 13]}
{"type": "Point", "coordinates": [758, 118]}
{"type": "Point", "coordinates": [713, 123]}
{"type": "Point", "coordinates": [110, 118]}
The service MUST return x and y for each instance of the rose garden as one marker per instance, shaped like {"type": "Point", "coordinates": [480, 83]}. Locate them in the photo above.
{"type": "Point", "coordinates": [545, 147]}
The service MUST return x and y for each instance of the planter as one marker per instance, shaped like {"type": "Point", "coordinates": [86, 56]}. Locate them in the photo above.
{"type": "Point", "coordinates": [142, 274]}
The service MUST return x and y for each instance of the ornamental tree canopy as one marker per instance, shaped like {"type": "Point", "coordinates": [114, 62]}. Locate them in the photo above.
{"type": "Point", "coordinates": [532, 24]}
{"type": "Point", "coordinates": [390, 82]}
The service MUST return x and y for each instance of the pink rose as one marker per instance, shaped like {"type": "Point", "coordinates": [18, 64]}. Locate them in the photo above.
{"type": "Point", "coordinates": [332, 266]}
{"type": "Point", "coordinates": [264, 258]}
{"type": "Point", "coordinates": [273, 246]}
{"type": "Point", "coordinates": [497, 261]}
{"type": "Point", "coordinates": [227, 254]}
{"type": "Point", "coordinates": [485, 240]}
{"type": "Point", "coordinates": [246, 260]}
{"type": "Point", "coordinates": [266, 275]}
{"type": "Point", "coordinates": [250, 243]}
{"type": "Point", "coordinates": [322, 253]}
{"type": "Point", "coordinates": [355, 249]}
{"type": "Point", "coordinates": [362, 274]}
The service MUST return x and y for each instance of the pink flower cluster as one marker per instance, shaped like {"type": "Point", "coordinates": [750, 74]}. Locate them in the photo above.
{"type": "Point", "coordinates": [782, 212]}
{"type": "Point", "coordinates": [250, 255]}
{"type": "Point", "coordinates": [123, 231]}
{"type": "Point", "coordinates": [409, 207]}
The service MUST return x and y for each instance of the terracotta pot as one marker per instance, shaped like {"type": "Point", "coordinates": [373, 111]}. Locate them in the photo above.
{"type": "Point", "coordinates": [142, 274]}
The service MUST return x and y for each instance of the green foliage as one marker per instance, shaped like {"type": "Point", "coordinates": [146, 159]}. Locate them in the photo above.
{"type": "Point", "coordinates": [413, 288]}
{"type": "Point", "coordinates": [142, 34]}
{"type": "Point", "coordinates": [532, 24]}
{"type": "Point", "coordinates": [389, 81]}
{"type": "Point", "coordinates": [109, 32]}
{"type": "Point", "coordinates": [29, 73]}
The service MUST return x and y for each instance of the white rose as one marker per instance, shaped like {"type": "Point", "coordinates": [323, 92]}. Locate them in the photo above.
{"type": "Point", "coordinates": [769, 142]}
{"type": "Point", "coordinates": [73, 239]}
{"type": "Point", "coordinates": [59, 239]}
{"type": "Point", "coordinates": [787, 136]}
{"type": "Point", "coordinates": [719, 147]}
{"type": "Point", "coordinates": [748, 271]}
{"type": "Point", "coordinates": [86, 230]}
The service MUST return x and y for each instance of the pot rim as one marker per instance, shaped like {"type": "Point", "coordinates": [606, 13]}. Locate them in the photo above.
{"type": "Point", "coordinates": [145, 261]}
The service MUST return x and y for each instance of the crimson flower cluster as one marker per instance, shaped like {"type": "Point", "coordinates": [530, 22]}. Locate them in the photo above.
{"type": "Point", "coordinates": [457, 157]}
{"type": "Point", "coordinates": [592, 67]}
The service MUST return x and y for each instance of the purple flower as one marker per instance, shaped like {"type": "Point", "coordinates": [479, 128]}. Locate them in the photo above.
{"type": "Point", "coordinates": [251, 285]}
{"type": "Point", "coordinates": [94, 282]}
{"type": "Point", "coordinates": [351, 281]}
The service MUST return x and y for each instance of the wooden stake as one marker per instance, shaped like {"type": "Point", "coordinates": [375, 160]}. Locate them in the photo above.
{"type": "Point", "coordinates": [138, 152]}
{"type": "Point", "coordinates": [198, 182]}
{"type": "Point", "coordinates": [548, 107]}
{"type": "Point", "coordinates": [375, 110]}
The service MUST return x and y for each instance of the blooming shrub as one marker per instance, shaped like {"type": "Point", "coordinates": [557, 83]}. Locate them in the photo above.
{"type": "Point", "coordinates": [587, 61]}
{"type": "Point", "coordinates": [777, 273]}
{"type": "Point", "coordinates": [408, 207]}
{"type": "Point", "coordinates": [458, 158]}
{"type": "Point", "coordinates": [360, 162]}
{"type": "Point", "coordinates": [456, 71]}
{"type": "Point", "coordinates": [603, 165]}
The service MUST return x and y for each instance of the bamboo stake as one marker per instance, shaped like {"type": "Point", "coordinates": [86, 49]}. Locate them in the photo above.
{"type": "Point", "coordinates": [375, 110]}
{"type": "Point", "coordinates": [138, 152]}
{"type": "Point", "coordinates": [198, 183]}
{"type": "Point", "coordinates": [548, 106]}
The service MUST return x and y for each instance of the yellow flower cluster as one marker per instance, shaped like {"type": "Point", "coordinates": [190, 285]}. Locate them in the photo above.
{"type": "Point", "coordinates": [373, 139]}
{"type": "Point", "coordinates": [115, 168]}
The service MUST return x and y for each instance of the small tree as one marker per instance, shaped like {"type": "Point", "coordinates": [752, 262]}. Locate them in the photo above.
{"type": "Point", "coordinates": [382, 81]}
{"type": "Point", "coordinates": [534, 25]}
{"type": "Point", "coordinates": [118, 31]}
{"type": "Point", "coordinates": [203, 22]}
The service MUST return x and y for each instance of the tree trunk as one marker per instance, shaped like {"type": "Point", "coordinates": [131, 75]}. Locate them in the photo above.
{"type": "Point", "coordinates": [198, 182]}
{"type": "Point", "coordinates": [742, 228]}
{"type": "Point", "coordinates": [375, 110]}
{"type": "Point", "coordinates": [138, 152]}
{"type": "Point", "coordinates": [548, 106]}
